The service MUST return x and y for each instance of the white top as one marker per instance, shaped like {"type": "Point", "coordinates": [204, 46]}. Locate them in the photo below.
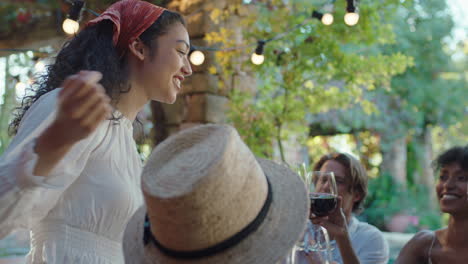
{"type": "Point", "coordinates": [78, 213]}
{"type": "Point", "coordinates": [368, 243]}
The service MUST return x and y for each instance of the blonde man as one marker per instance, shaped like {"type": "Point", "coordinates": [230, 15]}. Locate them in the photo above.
{"type": "Point", "coordinates": [353, 241]}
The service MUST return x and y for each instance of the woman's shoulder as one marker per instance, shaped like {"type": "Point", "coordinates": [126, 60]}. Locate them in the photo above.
{"type": "Point", "coordinates": [417, 249]}
{"type": "Point", "coordinates": [423, 238]}
{"type": "Point", "coordinates": [421, 242]}
{"type": "Point", "coordinates": [43, 108]}
{"type": "Point", "coordinates": [48, 99]}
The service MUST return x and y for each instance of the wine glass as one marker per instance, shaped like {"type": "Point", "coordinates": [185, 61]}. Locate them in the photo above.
{"type": "Point", "coordinates": [323, 195]}
{"type": "Point", "coordinates": [299, 255]}
{"type": "Point", "coordinates": [290, 257]}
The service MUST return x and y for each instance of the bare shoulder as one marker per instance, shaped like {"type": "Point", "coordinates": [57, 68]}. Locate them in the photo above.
{"type": "Point", "coordinates": [415, 251]}
{"type": "Point", "coordinates": [440, 232]}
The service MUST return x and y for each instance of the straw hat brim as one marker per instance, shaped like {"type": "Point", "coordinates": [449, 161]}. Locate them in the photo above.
{"type": "Point", "coordinates": [270, 243]}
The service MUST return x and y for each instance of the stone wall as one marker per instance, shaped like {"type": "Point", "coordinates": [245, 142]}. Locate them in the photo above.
{"type": "Point", "coordinates": [202, 100]}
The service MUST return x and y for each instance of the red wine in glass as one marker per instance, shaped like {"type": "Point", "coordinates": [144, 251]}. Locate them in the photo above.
{"type": "Point", "coordinates": [322, 204]}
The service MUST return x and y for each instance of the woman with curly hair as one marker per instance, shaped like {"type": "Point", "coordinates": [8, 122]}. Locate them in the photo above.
{"type": "Point", "coordinates": [449, 244]}
{"type": "Point", "coordinates": [71, 174]}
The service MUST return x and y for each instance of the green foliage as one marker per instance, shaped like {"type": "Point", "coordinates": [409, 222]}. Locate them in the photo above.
{"type": "Point", "coordinates": [22, 66]}
{"type": "Point", "coordinates": [253, 127]}
{"type": "Point", "coordinates": [5, 115]}
{"type": "Point", "coordinates": [433, 92]}
{"type": "Point", "coordinates": [17, 16]}
{"type": "Point", "coordinates": [342, 79]}
{"type": "Point", "coordinates": [387, 198]}
{"type": "Point", "coordinates": [430, 98]}
{"type": "Point", "coordinates": [312, 69]}
{"type": "Point", "coordinates": [455, 135]}
{"type": "Point", "coordinates": [382, 202]}
{"type": "Point", "coordinates": [413, 167]}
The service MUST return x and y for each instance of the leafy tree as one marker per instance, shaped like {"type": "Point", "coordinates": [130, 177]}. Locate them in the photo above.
{"type": "Point", "coordinates": [312, 69]}
{"type": "Point", "coordinates": [429, 94]}
{"type": "Point", "coordinates": [422, 30]}
{"type": "Point", "coordinates": [432, 94]}
{"type": "Point", "coordinates": [426, 92]}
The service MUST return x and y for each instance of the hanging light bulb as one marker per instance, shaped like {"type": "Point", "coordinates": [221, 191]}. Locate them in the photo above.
{"type": "Point", "coordinates": [257, 57]}
{"type": "Point", "coordinates": [20, 89]}
{"type": "Point", "coordinates": [39, 66]}
{"type": "Point", "coordinates": [71, 24]}
{"type": "Point", "coordinates": [197, 57]}
{"type": "Point", "coordinates": [351, 17]}
{"type": "Point", "coordinates": [327, 19]}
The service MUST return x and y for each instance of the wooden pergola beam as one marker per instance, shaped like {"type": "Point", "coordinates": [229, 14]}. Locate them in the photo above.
{"type": "Point", "coordinates": [43, 33]}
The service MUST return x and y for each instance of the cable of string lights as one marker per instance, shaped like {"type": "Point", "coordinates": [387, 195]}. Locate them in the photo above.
{"type": "Point", "coordinates": [197, 57]}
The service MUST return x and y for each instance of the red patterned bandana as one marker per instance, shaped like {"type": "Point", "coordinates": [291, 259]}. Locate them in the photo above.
{"type": "Point", "coordinates": [130, 18]}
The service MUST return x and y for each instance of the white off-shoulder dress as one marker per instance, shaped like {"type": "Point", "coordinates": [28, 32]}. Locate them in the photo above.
{"type": "Point", "coordinates": [78, 213]}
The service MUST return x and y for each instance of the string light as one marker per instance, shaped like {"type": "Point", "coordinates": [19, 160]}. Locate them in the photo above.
{"type": "Point", "coordinates": [351, 17]}
{"type": "Point", "coordinates": [20, 87]}
{"type": "Point", "coordinates": [257, 57]}
{"type": "Point", "coordinates": [327, 18]}
{"type": "Point", "coordinates": [39, 66]}
{"type": "Point", "coordinates": [71, 25]}
{"type": "Point", "coordinates": [196, 57]}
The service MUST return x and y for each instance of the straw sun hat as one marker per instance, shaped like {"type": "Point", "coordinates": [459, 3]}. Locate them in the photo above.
{"type": "Point", "coordinates": [209, 200]}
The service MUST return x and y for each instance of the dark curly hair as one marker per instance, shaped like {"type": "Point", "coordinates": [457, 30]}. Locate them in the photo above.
{"type": "Point", "coordinates": [92, 49]}
{"type": "Point", "coordinates": [457, 154]}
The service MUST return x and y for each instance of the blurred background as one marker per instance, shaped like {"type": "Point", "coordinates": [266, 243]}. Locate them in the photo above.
{"type": "Point", "coordinates": [383, 80]}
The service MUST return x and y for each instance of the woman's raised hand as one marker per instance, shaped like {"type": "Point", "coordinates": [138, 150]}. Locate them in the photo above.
{"type": "Point", "coordinates": [83, 105]}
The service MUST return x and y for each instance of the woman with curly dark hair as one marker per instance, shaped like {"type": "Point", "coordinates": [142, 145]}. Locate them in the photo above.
{"type": "Point", "coordinates": [71, 174]}
{"type": "Point", "coordinates": [449, 244]}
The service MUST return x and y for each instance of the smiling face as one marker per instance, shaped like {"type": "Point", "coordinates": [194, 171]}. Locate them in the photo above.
{"type": "Point", "coordinates": [162, 70]}
{"type": "Point", "coordinates": [452, 190]}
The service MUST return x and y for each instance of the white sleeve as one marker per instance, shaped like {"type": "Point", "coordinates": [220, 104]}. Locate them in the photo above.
{"type": "Point", "coordinates": [26, 198]}
{"type": "Point", "coordinates": [373, 248]}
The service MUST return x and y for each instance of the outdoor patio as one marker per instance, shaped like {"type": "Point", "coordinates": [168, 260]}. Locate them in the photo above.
{"type": "Point", "coordinates": [384, 81]}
